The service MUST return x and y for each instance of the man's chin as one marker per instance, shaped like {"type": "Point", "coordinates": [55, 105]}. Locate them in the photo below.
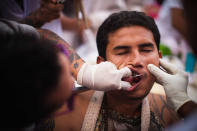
{"type": "Point", "coordinates": [137, 97]}
{"type": "Point", "coordinates": [137, 94]}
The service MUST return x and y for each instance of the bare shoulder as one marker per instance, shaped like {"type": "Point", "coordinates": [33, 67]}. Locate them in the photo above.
{"type": "Point", "coordinates": [166, 115]}
{"type": "Point", "coordinates": [74, 120]}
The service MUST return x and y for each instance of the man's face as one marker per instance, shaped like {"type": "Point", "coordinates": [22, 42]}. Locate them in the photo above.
{"type": "Point", "coordinates": [134, 47]}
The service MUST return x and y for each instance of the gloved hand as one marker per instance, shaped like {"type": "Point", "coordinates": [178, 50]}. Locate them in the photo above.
{"type": "Point", "coordinates": [104, 77]}
{"type": "Point", "coordinates": [174, 81]}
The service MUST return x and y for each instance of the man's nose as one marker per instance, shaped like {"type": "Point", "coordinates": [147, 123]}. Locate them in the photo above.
{"type": "Point", "coordinates": [135, 60]}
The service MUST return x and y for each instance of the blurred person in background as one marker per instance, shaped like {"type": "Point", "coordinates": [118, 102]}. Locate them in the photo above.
{"type": "Point", "coordinates": [175, 82]}
{"type": "Point", "coordinates": [172, 25]}
{"type": "Point", "coordinates": [171, 22]}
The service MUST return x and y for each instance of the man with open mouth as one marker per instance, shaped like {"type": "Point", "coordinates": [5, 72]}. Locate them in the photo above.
{"type": "Point", "coordinates": [127, 39]}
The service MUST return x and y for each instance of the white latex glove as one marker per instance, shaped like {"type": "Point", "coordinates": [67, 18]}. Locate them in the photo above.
{"type": "Point", "coordinates": [174, 81]}
{"type": "Point", "coordinates": [103, 77]}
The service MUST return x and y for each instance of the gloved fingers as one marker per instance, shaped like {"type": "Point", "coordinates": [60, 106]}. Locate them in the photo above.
{"type": "Point", "coordinates": [158, 73]}
{"type": "Point", "coordinates": [125, 85]}
{"type": "Point", "coordinates": [170, 68]}
{"type": "Point", "coordinates": [81, 73]}
{"type": "Point", "coordinates": [183, 73]}
{"type": "Point", "coordinates": [125, 72]}
{"type": "Point", "coordinates": [107, 65]}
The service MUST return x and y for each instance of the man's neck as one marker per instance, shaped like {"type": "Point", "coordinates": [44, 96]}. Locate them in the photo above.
{"type": "Point", "coordinates": [123, 105]}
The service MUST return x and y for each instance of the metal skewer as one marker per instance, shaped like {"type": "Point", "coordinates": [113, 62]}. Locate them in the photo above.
{"type": "Point", "coordinates": [80, 89]}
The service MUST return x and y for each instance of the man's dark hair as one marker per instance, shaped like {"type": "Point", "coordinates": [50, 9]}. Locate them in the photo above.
{"type": "Point", "coordinates": [29, 71]}
{"type": "Point", "coordinates": [120, 20]}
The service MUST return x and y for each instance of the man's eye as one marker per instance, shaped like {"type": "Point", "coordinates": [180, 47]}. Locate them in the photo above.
{"type": "Point", "coordinates": [122, 53]}
{"type": "Point", "coordinates": [146, 50]}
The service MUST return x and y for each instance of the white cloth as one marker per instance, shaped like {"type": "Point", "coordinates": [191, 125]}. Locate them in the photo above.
{"type": "Point", "coordinates": [92, 111]}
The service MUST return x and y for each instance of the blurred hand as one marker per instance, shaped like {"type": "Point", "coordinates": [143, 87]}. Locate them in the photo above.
{"type": "Point", "coordinates": [74, 24]}
{"type": "Point", "coordinates": [174, 81]}
{"type": "Point", "coordinates": [80, 27]}
{"type": "Point", "coordinates": [50, 10]}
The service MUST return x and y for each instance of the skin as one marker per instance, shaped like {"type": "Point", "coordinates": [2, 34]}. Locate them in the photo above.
{"type": "Point", "coordinates": [74, 120]}
{"type": "Point", "coordinates": [187, 109]}
{"type": "Point", "coordinates": [178, 21]}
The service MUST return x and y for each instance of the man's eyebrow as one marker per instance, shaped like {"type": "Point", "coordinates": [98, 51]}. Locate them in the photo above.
{"type": "Point", "coordinates": [121, 47]}
{"type": "Point", "coordinates": [146, 45]}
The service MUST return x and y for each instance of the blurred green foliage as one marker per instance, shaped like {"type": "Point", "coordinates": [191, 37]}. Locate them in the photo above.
{"type": "Point", "coordinates": [165, 50]}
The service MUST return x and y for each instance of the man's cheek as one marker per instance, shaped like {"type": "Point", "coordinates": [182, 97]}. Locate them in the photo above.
{"type": "Point", "coordinates": [122, 65]}
{"type": "Point", "coordinates": [153, 59]}
{"type": "Point", "coordinates": [118, 62]}
{"type": "Point", "coordinates": [151, 77]}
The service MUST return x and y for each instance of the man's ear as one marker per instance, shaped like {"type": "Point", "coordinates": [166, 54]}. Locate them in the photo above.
{"type": "Point", "coordinates": [160, 54]}
{"type": "Point", "coordinates": [99, 59]}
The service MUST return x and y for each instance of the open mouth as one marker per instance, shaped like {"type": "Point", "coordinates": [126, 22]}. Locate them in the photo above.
{"type": "Point", "coordinates": [134, 80]}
